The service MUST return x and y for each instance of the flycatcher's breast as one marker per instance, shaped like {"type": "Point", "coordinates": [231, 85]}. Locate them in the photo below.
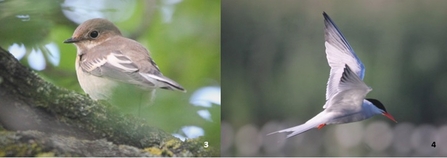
{"type": "Point", "coordinates": [97, 88]}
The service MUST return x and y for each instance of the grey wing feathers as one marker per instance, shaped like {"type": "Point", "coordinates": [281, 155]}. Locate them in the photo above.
{"type": "Point", "coordinates": [349, 79]}
{"type": "Point", "coordinates": [338, 53]}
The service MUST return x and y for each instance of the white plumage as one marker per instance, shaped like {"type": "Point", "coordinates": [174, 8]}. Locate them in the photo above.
{"type": "Point", "coordinates": [346, 91]}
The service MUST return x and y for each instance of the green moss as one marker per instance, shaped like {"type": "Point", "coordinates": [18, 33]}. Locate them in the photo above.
{"type": "Point", "coordinates": [198, 146]}
{"type": "Point", "coordinates": [85, 116]}
{"type": "Point", "coordinates": [154, 151]}
{"type": "Point", "coordinates": [46, 154]}
{"type": "Point", "coordinates": [21, 149]}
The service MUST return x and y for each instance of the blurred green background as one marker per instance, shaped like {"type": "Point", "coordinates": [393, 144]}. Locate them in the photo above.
{"type": "Point", "coordinates": [274, 73]}
{"type": "Point", "coordinates": [182, 36]}
{"type": "Point", "coordinates": [274, 69]}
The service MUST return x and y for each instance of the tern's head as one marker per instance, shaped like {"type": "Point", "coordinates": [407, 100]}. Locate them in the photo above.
{"type": "Point", "coordinates": [381, 108]}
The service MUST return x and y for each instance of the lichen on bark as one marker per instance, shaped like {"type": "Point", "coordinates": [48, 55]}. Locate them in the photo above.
{"type": "Point", "coordinates": [38, 119]}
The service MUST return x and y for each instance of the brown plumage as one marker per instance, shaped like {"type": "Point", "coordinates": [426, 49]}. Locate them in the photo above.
{"type": "Point", "coordinates": [106, 59]}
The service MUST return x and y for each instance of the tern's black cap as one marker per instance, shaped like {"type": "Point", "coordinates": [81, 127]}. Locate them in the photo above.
{"type": "Point", "coordinates": [377, 103]}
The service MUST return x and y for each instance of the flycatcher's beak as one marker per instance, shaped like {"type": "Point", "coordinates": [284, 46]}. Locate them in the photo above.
{"type": "Point", "coordinates": [389, 116]}
{"type": "Point", "coordinates": [71, 40]}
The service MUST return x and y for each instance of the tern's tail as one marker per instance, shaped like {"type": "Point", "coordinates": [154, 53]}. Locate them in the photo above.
{"type": "Point", "coordinates": [297, 129]}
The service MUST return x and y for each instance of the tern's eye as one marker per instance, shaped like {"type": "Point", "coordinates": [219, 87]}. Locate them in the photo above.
{"type": "Point", "coordinates": [93, 34]}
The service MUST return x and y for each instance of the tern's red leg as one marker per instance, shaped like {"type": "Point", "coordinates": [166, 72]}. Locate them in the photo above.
{"type": "Point", "coordinates": [321, 126]}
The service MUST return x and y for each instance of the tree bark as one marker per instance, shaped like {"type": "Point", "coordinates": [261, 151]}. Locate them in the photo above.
{"type": "Point", "coordinates": [40, 119]}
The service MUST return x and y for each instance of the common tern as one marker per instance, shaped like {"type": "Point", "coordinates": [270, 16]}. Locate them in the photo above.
{"type": "Point", "coordinates": [346, 91]}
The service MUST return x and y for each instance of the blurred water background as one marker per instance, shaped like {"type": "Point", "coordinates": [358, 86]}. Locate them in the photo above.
{"type": "Point", "coordinates": [274, 73]}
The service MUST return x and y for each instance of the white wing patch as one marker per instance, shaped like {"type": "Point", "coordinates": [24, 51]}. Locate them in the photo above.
{"type": "Point", "coordinates": [94, 64]}
{"type": "Point", "coordinates": [158, 81]}
{"type": "Point", "coordinates": [119, 61]}
{"type": "Point", "coordinates": [162, 82]}
{"type": "Point", "coordinates": [119, 67]}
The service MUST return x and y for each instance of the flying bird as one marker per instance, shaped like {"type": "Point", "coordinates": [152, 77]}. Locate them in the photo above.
{"type": "Point", "coordinates": [345, 91]}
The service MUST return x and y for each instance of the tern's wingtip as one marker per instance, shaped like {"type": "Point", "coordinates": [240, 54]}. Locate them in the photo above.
{"type": "Point", "coordinates": [325, 15]}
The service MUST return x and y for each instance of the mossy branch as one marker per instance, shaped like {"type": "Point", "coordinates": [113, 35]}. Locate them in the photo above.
{"type": "Point", "coordinates": [28, 103]}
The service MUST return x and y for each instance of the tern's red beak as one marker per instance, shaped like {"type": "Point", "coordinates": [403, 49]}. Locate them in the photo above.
{"type": "Point", "coordinates": [389, 116]}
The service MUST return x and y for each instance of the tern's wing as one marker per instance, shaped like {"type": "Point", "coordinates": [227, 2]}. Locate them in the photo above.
{"type": "Point", "coordinates": [352, 91]}
{"type": "Point", "coordinates": [338, 53]}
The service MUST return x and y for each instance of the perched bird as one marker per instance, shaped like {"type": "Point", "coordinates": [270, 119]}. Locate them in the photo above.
{"type": "Point", "coordinates": [346, 92]}
{"type": "Point", "coordinates": [107, 60]}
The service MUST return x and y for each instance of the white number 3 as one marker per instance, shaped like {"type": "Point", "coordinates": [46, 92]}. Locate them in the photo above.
{"type": "Point", "coordinates": [205, 144]}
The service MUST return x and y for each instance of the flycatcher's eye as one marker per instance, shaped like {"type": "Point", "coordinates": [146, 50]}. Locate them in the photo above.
{"type": "Point", "coordinates": [94, 34]}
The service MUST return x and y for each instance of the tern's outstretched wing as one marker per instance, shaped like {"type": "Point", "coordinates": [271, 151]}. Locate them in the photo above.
{"type": "Point", "coordinates": [352, 92]}
{"type": "Point", "coordinates": [338, 53]}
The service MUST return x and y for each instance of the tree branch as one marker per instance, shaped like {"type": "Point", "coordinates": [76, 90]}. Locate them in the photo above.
{"type": "Point", "coordinates": [29, 103]}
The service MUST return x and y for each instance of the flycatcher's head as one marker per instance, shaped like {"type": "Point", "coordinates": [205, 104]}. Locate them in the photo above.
{"type": "Point", "coordinates": [92, 32]}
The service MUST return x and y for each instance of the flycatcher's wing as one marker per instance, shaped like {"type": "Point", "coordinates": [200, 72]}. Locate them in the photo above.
{"type": "Point", "coordinates": [117, 66]}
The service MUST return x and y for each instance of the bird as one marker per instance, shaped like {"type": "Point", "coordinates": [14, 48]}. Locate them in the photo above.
{"type": "Point", "coordinates": [345, 91]}
{"type": "Point", "coordinates": [107, 61]}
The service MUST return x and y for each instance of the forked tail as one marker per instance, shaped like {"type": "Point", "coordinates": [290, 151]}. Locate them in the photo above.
{"type": "Point", "coordinates": [297, 129]}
